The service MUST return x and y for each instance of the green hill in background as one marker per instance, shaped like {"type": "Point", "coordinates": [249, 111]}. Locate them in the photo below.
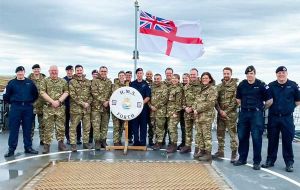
{"type": "Point", "coordinates": [3, 81]}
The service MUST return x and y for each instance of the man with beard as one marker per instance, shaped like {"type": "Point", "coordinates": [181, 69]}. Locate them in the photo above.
{"type": "Point", "coordinates": [226, 106]}
{"type": "Point", "coordinates": [80, 107]}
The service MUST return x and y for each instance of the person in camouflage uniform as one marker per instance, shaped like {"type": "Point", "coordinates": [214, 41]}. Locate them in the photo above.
{"type": "Point", "coordinates": [91, 136]}
{"type": "Point", "coordinates": [101, 92]}
{"type": "Point", "coordinates": [158, 109]}
{"type": "Point", "coordinates": [185, 82]}
{"type": "Point", "coordinates": [128, 76]}
{"type": "Point", "coordinates": [190, 92]}
{"type": "Point", "coordinates": [54, 90]}
{"type": "Point", "coordinates": [173, 109]}
{"type": "Point", "coordinates": [227, 114]}
{"type": "Point", "coordinates": [118, 123]}
{"type": "Point", "coordinates": [149, 80]}
{"type": "Point", "coordinates": [69, 74]}
{"type": "Point", "coordinates": [80, 109]}
{"type": "Point", "coordinates": [204, 112]}
{"type": "Point", "coordinates": [168, 82]}
{"type": "Point", "coordinates": [36, 76]}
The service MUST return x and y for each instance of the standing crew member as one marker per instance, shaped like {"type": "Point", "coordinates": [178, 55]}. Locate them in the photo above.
{"type": "Point", "coordinates": [190, 92]}
{"type": "Point", "coordinates": [80, 107]}
{"type": "Point", "coordinates": [118, 124]}
{"type": "Point", "coordinates": [68, 78]}
{"type": "Point", "coordinates": [149, 80]}
{"type": "Point", "coordinates": [101, 91]}
{"type": "Point", "coordinates": [20, 93]}
{"type": "Point", "coordinates": [251, 95]}
{"type": "Point", "coordinates": [204, 112]}
{"type": "Point", "coordinates": [286, 96]}
{"type": "Point", "coordinates": [227, 114]}
{"type": "Point", "coordinates": [139, 124]}
{"type": "Point", "coordinates": [158, 109]}
{"type": "Point", "coordinates": [36, 76]}
{"type": "Point", "coordinates": [54, 90]}
{"type": "Point", "coordinates": [174, 107]}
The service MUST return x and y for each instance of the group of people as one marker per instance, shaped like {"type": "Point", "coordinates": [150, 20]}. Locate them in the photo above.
{"type": "Point", "coordinates": [65, 103]}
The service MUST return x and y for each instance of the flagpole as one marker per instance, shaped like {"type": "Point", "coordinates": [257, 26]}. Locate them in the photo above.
{"type": "Point", "coordinates": [135, 52]}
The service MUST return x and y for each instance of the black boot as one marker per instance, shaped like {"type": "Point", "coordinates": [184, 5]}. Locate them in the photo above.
{"type": "Point", "coordinates": [9, 153]}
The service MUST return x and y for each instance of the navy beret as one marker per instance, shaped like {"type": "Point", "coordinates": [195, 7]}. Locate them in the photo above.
{"type": "Point", "coordinates": [138, 69]}
{"type": "Point", "coordinates": [69, 67]}
{"type": "Point", "coordinates": [250, 69]}
{"type": "Point", "coordinates": [281, 68]}
{"type": "Point", "coordinates": [20, 68]}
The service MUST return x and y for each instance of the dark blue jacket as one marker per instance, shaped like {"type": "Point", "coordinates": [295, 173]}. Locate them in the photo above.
{"type": "Point", "coordinates": [252, 96]}
{"type": "Point", "coordinates": [284, 97]}
{"type": "Point", "coordinates": [19, 91]}
{"type": "Point", "coordinates": [142, 87]}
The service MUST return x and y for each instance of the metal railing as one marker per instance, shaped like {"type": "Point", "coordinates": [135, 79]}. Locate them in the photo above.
{"type": "Point", "coordinates": [4, 109]}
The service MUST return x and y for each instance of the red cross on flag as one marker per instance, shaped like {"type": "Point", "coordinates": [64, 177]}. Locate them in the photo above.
{"type": "Point", "coordinates": [180, 39]}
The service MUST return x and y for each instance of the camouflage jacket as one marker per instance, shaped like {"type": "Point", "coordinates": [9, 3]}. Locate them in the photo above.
{"type": "Point", "coordinates": [168, 83]}
{"type": "Point", "coordinates": [190, 92]}
{"type": "Point", "coordinates": [54, 88]}
{"type": "Point", "coordinates": [117, 85]}
{"type": "Point", "coordinates": [80, 92]}
{"type": "Point", "coordinates": [38, 104]}
{"type": "Point", "coordinates": [101, 92]}
{"type": "Point", "coordinates": [175, 100]}
{"type": "Point", "coordinates": [159, 99]}
{"type": "Point", "coordinates": [226, 96]}
{"type": "Point", "coordinates": [205, 101]}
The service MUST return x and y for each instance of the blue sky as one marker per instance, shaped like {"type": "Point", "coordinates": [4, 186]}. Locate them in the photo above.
{"type": "Point", "coordinates": [263, 33]}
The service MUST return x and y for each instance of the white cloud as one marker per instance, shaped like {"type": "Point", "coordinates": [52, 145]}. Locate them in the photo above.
{"type": "Point", "coordinates": [95, 33]}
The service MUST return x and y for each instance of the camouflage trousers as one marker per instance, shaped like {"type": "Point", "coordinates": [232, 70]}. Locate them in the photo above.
{"type": "Point", "coordinates": [100, 124]}
{"type": "Point", "coordinates": [118, 129]}
{"type": "Point", "coordinates": [172, 127]}
{"type": "Point", "coordinates": [230, 125]}
{"type": "Point", "coordinates": [203, 126]}
{"type": "Point", "coordinates": [86, 126]}
{"type": "Point", "coordinates": [54, 118]}
{"type": "Point", "coordinates": [189, 123]}
{"type": "Point", "coordinates": [160, 128]}
{"type": "Point", "coordinates": [40, 126]}
{"type": "Point", "coordinates": [151, 128]}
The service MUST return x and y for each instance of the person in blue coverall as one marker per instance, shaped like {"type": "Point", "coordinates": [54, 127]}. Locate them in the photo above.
{"type": "Point", "coordinates": [286, 96]}
{"type": "Point", "coordinates": [139, 124]}
{"type": "Point", "coordinates": [253, 96]}
{"type": "Point", "coordinates": [21, 93]}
